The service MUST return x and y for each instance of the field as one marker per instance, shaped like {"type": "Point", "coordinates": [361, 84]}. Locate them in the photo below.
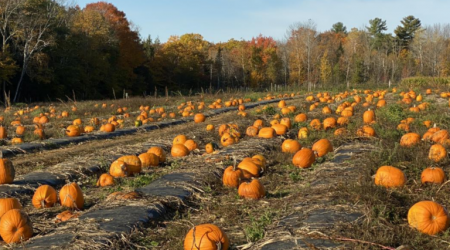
{"type": "Point", "coordinates": [331, 198]}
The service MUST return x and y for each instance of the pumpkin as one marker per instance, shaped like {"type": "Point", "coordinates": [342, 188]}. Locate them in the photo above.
{"type": "Point", "coordinates": [366, 131]}
{"type": "Point", "coordinates": [409, 140]}
{"type": "Point", "coordinates": [440, 136]}
{"type": "Point", "coordinates": [3, 132]}
{"type": "Point", "coordinates": [158, 151]}
{"type": "Point", "coordinates": [133, 163]}
{"type": "Point", "coordinates": [232, 176]}
{"type": "Point", "coordinates": [211, 147]}
{"type": "Point", "coordinates": [179, 150]}
{"type": "Point", "coordinates": [322, 147]}
{"type": "Point", "coordinates": [89, 129]}
{"type": "Point", "coordinates": [303, 133]}
{"type": "Point", "coordinates": [179, 139]}
{"type": "Point", "coordinates": [20, 130]}
{"type": "Point", "coordinates": [280, 129]}
{"type": "Point", "coordinates": [16, 140]}
{"type": "Point", "coordinates": [227, 139]}
{"type": "Point", "coordinates": [198, 118]}
{"type": "Point", "coordinates": [206, 236]}
{"type": "Point", "coordinates": [7, 204]}
{"type": "Point", "coordinates": [340, 131]}
{"type": "Point", "coordinates": [44, 196]}
{"type": "Point", "coordinates": [266, 132]}
{"type": "Point", "coordinates": [369, 116]}
{"type": "Point", "coordinates": [39, 132]}
{"type": "Point", "coordinates": [286, 122]}
{"type": "Point", "coordinates": [329, 122]}
{"type": "Point", "coordinates": [258, 123]}
{"type": "Point", "coordinates": [191, 145]}
{"type": "Point", "coordinates": [73, 130]}
{"type": "Point", "coordinates": [290, 146]}
{"type": "Point", "coordinates": [105, 180]}
{"type": "Point", "coordinates": [7, 171]}
{"type": "Point", "coordinates": [252, 190]}
{"type": "Point", "coordinates": [71, 196]}
{"type": "Point", "coordinates": [43, 120]}
{"type": "Point", "coordinates": [249, 168]}
{"type": "Point", "coordinates": [433, 175]}
{"type": "Point", "coordinates": [315, 124]}
{"type": "Point", "coordinates": [428, 217]}
{"type": "Point", "coordinates": [209, 127]}
{"type": "Point", "coordinates": [252, 131]}
{"type": "Point", "coordinates": [119, 169]}
{"type": "Point", "coordinates": [304, 158]}
{"type": "Point", "coordinates": [342, 121]}
{"type": "Point", "coordinates": [77, 122]}
{"type": "Point", "coordinates": [148, 160]}
{"type": "Point", "coordinates": [300, 118]}
{"type": "Point", "coordinates": [390, 177]}
{"type": "Point", "coordinates": [437, 153]}
{"type": "Point", "coordinates": [109, 127]}
{"type": "Point", "coordinates": [403, 126]}
{"type": "Point", "coordinates": [15, 226]}
{"type": "Point", "coordinates": [260, 161]}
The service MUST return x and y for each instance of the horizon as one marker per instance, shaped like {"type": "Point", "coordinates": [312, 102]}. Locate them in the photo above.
{"type": "Point", "coordinates": [246, 20]}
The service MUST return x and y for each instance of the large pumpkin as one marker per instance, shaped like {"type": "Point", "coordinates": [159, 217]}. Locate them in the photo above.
{"type": "Point", "coordinates": [44, 196]}
{"type": "Point", "coordinates": [390, 177]}
{"type": "Point", "coordinates": [369, 116]}
{"type": "Point", "coordinates": [252, 190]}
{"type": "Point", "coordinates": [148, 160]}
{"type": "Point", "coordinates": [249, 168]}
{"type": "Point", "coordinates": [15, 226]}
{"type": "Point", "coordinates": [71, 196]}
{"type": "Point", "coordinates": [304, 158]}
{"type": "Point", "coordinates": [119, 169]}
{"type": "Point", "coordinates": [428, 217]}
{"type": "Point", "coordinates": [7, 172]}
{"type": "Point", "coordinates": [266, 132]}
{"type": "Point", "coordinates": [206, 237]}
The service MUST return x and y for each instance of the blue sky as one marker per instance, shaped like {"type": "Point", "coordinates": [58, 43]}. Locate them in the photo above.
{"type": "Point", "coordinates": [220, 20]}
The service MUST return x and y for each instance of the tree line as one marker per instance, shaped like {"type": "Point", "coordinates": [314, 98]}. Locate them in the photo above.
{"type": "Point", "coordinates": [52, 50]}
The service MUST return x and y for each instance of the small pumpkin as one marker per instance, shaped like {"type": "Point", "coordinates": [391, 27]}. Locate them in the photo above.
{"type": "Point", "coordinates": [252, 190]}
{"type": "Point", "coordinates": [73, 131]}
{"type": "Point", "coordinates": [148, 160]}
{"type": "Point", "coordinates": [20, 130]}
{"type": "Point", "coordinates": [252, 131]}
{"type": "Point", "coordinates": [44, 197]}
{"type": "Point", "coordinates": [428, 217]}
{"type": "Point", "coordinates": [71, 196]}
{"type": "Point", "coordinates": [390, 177]}
{"type": "Point", "coordinates": [300, 118]}
{"type": "Point", "coordinates": [119, 169]}
{"type": "Point", "coordinates": [190, 144]}
{"type": "Point", "coordinates": [206, 236]}
{"type": "Point", "coordinates": [280, 129]}
{"type": "Point", "coordinates": [304, 158]}
{"type": "Point", "coordinates": [369, 117]}
{"type": "Point", "coordinates": [179, 139]}
{"type": "Point", "coordinates": [227, 139]}
{"type": "Point", "coordinates": [209, 127]}
{"type": "Point", "coordinates": [15, 226]}
{"type": "Point", "coordinates": [211, 147]}
{"type": "Point", "coordinates": [105, 180]}
{"type": "Point", "coordinates": [198, 118]}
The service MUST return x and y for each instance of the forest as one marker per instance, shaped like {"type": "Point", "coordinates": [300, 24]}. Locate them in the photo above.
{"type": "Point", "coordinates": [53, 50]}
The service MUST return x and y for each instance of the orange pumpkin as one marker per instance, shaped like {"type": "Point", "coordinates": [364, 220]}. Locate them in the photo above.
{"type": "Point", "coordinates": [428, 217]}
{"type": "Point", "coordinates": [232, 177]}
{"type": "Point", "coordinates": [390, 177]}
{"type": "Point", "coordinates": [7, 204]}
{"type": "Point", "coordinates": [409, 140]}
{"type": "Point", "coordinates": [433, 175]}
{"type": "Point", "coordinates": [290, 146]}
{"type": "Point", "coordinates": [119, 169]}
{"type": "Point", "coordinates": [179, 150]}
{"type": "Point", "coordinates": [158, 151]}
{"type": "Point", "coordinates": [198, 118]}
{"type": "Point", "coordinates": [322, 147]}
{"type": "Point", "coordinates": [190, 144]}
{"type": "Point", "coordinates": [280, 129]}
{"type": "Point", "coordinates": [304, 158]}
{"type": "Point", "coordinates": [44, 197]}
{"type": "Point", "coordinates": [148, 160]}
{"type": "Point", "coordinates": [133, 163]}
{"type": "Point", "coordinates": [73, 130]}
{"type": "Point", "coordinates": [249, 168]}
{"type": "Point", "coordinates": [206, 236]}
{"type": "Point", "coordinates": [71, 196]}
{"type": "Point", "coordinates": [15, 226]}
{"type": "Point", "coordinates": [252, 190]}
{"type": "Point", "coordinates": [437, 153]}
{"type": "Point", "coordinates": [369, 116]}
{"type": "Point", "coordinates": [7, 172]}
{"type": "Point", "coordinates": [179, 139]}
{"type": "Point", "coordinates": [266, 132]}
{"type": "Point", "coordinates": [105, 180]}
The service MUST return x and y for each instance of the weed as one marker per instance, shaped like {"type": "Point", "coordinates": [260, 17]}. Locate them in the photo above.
{"type": "Point", "coordinates": [255, 231]}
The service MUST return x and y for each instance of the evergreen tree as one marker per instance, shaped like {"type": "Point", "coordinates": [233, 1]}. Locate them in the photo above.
{"type": "Point", "coordinates": [406, 32]}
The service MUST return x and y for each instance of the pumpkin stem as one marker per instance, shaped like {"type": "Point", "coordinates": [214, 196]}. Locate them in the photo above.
{"type": "Point", "coordinates": [43, 203]}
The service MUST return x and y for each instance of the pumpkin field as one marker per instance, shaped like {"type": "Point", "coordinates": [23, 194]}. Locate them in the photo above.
{"type": "Point", "coordinates": [356, 169]}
